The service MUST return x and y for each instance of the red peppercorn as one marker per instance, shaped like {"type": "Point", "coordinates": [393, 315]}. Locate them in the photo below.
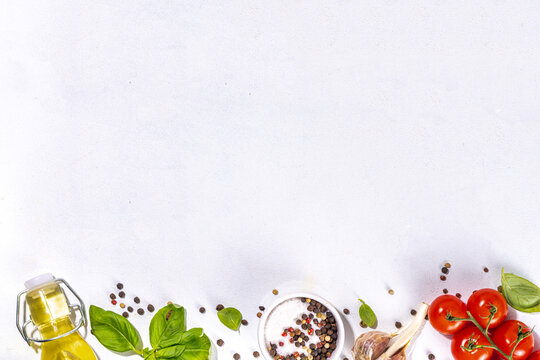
{"type": "Point", "coordinates": [291, 329]}
{"type": "Point", "coordinates": [284, 334]}
{"type": "Point", "coordinates": [113, 302]}
{"type": "Point", "coordinates": [281, 357]}
{"type": "Point", "coordinates": [308, 320]}
{"type": "Point", "coordinates": [310, 332]}
{"type": "Point", "coordinates": [296, 354]}
{"type": "Point", "coordinates": [291, 340]}
{"type": "Point", "coordinates": [281, 343]}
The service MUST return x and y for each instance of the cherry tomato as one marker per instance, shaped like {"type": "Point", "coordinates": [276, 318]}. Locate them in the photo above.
{"type": "Point", "coordinates": [534, 356]}
{"type": "Point", "coordinates": [483, 301]}
{"type": "Point", "coordinates": [468, 337]}
{"type": "Point", "coordinates": [505, 337]}
{"type": "Point", "coordinates": [447, 305]}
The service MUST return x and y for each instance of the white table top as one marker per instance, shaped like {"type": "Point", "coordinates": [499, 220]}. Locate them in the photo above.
{"type": "Point", "coordinates": [208, 153]}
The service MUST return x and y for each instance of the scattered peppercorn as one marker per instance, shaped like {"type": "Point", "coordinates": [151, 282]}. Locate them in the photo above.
{"type": "Point", "coordinates": [427, 317]}
{"type": "Point", "coordinates": [275, 292]}
{"type": "Point", "coordinates": [259, 314]}
{"type": "Point", "coordinates": [244, 322]}
{"type": "Point", "coordinates": [122, 294]}
{"type": "Point", "coordinates": [413, 312]}
{"type": "Point", "coordinates": [150, 308]}
{"type": "Point", "coordinates": [140, 311]}
{"type": "Point", "coordinates": [262, 309]}
{"type": "Point", "coordinates": [431, 357]}
{"type": "Point", "coordinates": [499, 289]}
{"type": "Point", "coordinates": [486, 269]}
{"type": "Point", "coordinates": [398, 324]}
{"type": "Point", "coordinates": [220, 307]}
{"type": "Point", "coordinates": [112, 296]}
{"type": "Point", "coordinates": [443, 278]}
{"type": "Point", "coordinates": [137, 300]}
{"type": "Point", "coordinates": [113, 302]}
{"type": "Point", "coordinates": [445, 270]}
{"type": "Point", "coordinates": [202, 310]}
{"type": "Point", "coordinates": [236, 356]}
{"type": "Point", "coordinates": [256, 354]}
{"type": "Point", "coordinates": [220, 342]}
{"type": "Point", "coordinates": [130, 309]}
{"type": "Point", "coordinates": [122, 305]}
{"type": "Point", "coordinates": [125, 314]}
{"type": "Point", "coordinates": [346, 311]}
{"type": "Point", "coordinates": [445, 291]}
{"type": "Point", "coordinates": [391, 292]}
{"type": "Point", "coordinates": [363, 325]}
{"type": "Point", "coordinates": [447, 265]}
{"type": "Point", "coordinates": [169, 302]}
{"type": "Point", "coordinates": [119, 286]}
{"type": "Point", "coordinates": [458, 295]}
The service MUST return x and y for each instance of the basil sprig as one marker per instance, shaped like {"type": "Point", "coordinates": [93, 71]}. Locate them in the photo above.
{"type": "Point", "coordinates": [168, 335]}
{"type": "Point", "coordinates": [230, 317]}
{"type": "Point", "coordinates": [520, 293]}
{"type": "Point", "coordinates": [366, 314]}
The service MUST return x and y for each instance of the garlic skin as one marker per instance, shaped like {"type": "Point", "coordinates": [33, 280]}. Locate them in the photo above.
{"type": "Point", "coordinates": [370, 345]}
{"type": "Point", "coordinates": [378, 345]}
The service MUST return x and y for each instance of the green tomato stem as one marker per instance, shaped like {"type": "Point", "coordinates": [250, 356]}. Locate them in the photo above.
{"type": "Point", "coordinates": [484, 331]}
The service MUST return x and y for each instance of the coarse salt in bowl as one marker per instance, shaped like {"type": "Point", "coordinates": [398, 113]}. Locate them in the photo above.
{"type": "Point", "coordinates": [283, 313]}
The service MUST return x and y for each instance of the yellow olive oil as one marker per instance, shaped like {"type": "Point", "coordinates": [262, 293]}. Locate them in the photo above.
{"type": "Point", "coordinates": [50, 314]}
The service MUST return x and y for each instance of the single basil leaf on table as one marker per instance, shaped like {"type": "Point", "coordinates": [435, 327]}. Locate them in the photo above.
{"type": "Point", "coordinates": [366, 314]}
{"type": "Point", "coordinates": [114, 331]}
{"type": "Point", "coordinates": [520, 293]}
{"type": "Point", "coordinates": [167, 326]}
{"type": "Point", "coordinates": [230, 317]}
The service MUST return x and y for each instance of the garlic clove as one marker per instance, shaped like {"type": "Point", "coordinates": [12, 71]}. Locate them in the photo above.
{"type": "Point", "coordinates": [399, 355]}
{"type": "Point", "coordinates": [370, 345]}
{"type": "Point", "coordinates": [404, 337]}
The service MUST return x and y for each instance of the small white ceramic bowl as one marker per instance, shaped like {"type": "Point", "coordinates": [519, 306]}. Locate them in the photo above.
{"type": "Point", "coordinates": [339, 322]}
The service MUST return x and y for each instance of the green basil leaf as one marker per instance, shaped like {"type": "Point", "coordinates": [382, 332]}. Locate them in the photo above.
{"type": "Point", "coordinates": [114, 331]}
{"type": "Point", "coordinates": [167, 326]}
{"type": "Point", "coordinates": [171, 352]}
{"type": "Point", "coordinates": [230, 317]}
{"type": "Point", "coordinates": [197, 345]}
{"type": "Point", "coordinates": [151, 356]}
{"type": "Point", "coordinates": [194, 345]}
{"type": "Point", "coordinates": [520, 293]}
{"type": "Point", "coordinates": [366, 314]}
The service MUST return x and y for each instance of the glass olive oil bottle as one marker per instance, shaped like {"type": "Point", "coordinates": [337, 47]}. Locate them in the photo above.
{"type": "Point", "coordinates": [50, 313]}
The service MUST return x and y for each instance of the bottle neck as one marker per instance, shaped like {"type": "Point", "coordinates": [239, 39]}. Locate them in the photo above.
{"type": "Point", "coordinates": [56, 327]}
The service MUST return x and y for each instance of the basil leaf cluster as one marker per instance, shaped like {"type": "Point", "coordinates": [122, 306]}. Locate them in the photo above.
{"type": "Point", "coordinates": [168, 335]}
{"type": "Point", "coordinates": [366, 314]}
{"type": "Point", "coordinates": [230, 317]}
{"type": "Point", "coordinates": [520, 293]}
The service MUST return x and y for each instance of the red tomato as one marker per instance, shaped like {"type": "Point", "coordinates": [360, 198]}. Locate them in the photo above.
{"type": "Point", "coordinates": [447, 305]}
{"type": "Point", "coordinates": [468, 337]}
{"type": "Point", "coordinates": [534, 356]}
{"type": "Point", "coordinates": [480, 303]}
{"type": "Point", "coordinates": [505, 337]}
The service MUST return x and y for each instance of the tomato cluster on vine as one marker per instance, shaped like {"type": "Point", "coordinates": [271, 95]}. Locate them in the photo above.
{"type": "Point", "coordinates": [480, 328]}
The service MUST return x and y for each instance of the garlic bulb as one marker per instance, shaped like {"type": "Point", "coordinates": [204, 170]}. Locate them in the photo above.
{"type": "Point", "coordinates": [377, 345]}
{"type": "Point", "coordinates": [370, 345]}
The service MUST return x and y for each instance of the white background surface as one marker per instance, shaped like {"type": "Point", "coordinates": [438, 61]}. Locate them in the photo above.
{"type": "Point", "coordinates": [202, 153]}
